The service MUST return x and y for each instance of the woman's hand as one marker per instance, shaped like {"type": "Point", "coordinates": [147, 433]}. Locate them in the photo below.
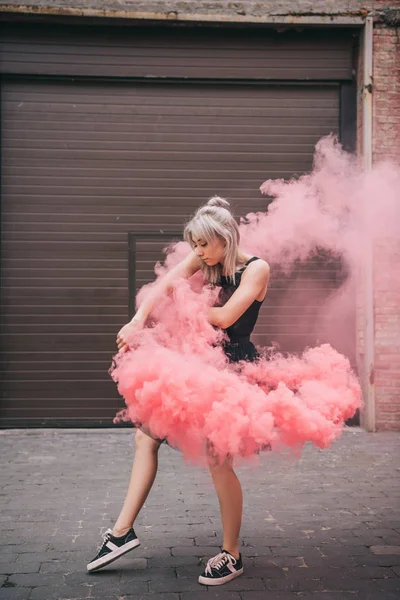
{"type": "Point", "coordinates": [126, 332]}
{"type": "Point", "coordinates": [185, 269]}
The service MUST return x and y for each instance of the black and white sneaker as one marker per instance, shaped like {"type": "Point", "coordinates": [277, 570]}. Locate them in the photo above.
{"type": "Point", "coordinates": [112, 548]}
{"type": "Point", "coordinates": [221, 568]}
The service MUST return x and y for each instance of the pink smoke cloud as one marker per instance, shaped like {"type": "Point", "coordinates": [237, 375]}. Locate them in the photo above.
{"type": "Point", "coordinates": [176, 379]}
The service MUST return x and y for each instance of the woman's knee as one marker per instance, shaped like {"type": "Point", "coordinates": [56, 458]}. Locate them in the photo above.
{"type": "Point", "coordinates": [144, 441]}
{"type": "Point", "coordinates": [218, 468]}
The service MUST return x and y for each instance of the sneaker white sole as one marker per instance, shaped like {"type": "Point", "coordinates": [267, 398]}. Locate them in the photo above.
{"type": "Point", "coordinates": [109, 558]}
{"type": "Point", "coordinates": [220, 580]}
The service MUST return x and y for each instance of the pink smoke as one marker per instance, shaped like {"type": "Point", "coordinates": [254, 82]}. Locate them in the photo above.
{"type": "Point", "coordinates": [336, 207]}
{"type": "Point", "coordinates": [176, 379]}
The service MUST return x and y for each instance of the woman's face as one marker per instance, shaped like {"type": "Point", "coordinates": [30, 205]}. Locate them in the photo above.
{"type": "Point", "coordinates": [212, 252]}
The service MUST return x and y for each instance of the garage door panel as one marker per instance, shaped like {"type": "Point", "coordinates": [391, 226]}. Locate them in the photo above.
{"type": "Point", "coordinates": [50, 389]}
{"type": "Point", "coordinates": [193, 47]}
{"type": "Point", "coordinates": [72, 249]}
{"type": "Point", "coordinates": [168, 151]}
{"type": "Point", "coordinates": [79, 283]}
{"type": "Point", "coordinates": [45, 374]}
{"type": "Point", "coordinates": [269, 131]}
{"type": "Point", "coordinates": [160, 59]}
{"type": "Point", "coordinates": [65, 326]}
{"type": "Point", "coordinates": [49, 272]}
{"type": "Point", "coordinates": [82, 416]}
{"type": "Point", "coordinates": [90, 407]}
{"type": "Point", "coordinates": [207, 114]}
{"type": "Point", "coordinates": [60, 296]}
{"type": "Point", "coordinates": [79, 358]}
{"type": "Point", "coordinates": [142, 71]}
{"type": "Point", "coordinates": [79, 320]}
{"type": "Point", "coordinates": [76, 237]}
{"type": "Point", "coordinates": [47, 206]}
{"type": "Point", "coordinates": [270, 123]}
{"type": "Point", "coordinates": [79, 174]}
{"type": "Point", "coordinates": [94, 419]}
{"type": "Point", "coordinates": [59, 150]}
{"type": "Point", "coordinates": [114, 111]}
{"type": "Point", "coordinates": [144, 52]}
{"type": "Point", "coordinates": [101, 415]}
{"type": "Point", "coordinates": [136, 168]}
{"type": "Point", "coordinates": [15, 217]}
{"type": "Point", "coordinates": [18, 342]}
{"type": "Point", "coordinates": [114, 227]}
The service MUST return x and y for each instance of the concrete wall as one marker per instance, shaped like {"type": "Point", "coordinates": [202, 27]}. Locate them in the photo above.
{"type": "Point", "coordinates": [222, 10]}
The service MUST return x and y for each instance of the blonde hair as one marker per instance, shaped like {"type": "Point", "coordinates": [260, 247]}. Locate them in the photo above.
{"type": "Point", "coordinates": [212, 220]}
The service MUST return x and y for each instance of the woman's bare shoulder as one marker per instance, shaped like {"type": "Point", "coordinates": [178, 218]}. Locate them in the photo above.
{"type": "Point", "coordinates": [259, 266]}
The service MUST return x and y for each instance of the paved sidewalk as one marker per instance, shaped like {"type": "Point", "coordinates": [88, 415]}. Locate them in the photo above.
{"type": "Point", "coordinates": [322, 528]}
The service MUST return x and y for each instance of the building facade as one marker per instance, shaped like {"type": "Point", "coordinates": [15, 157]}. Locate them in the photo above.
{"type": "Point", "coordinates": [119, 119]}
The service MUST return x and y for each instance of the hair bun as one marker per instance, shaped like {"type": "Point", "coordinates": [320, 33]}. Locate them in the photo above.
{"type": "Point", "coordinates": [218, 201]}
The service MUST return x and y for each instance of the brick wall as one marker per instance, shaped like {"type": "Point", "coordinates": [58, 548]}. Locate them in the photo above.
{"type": "Point", "coordinates": [387, 335]}
{"type": "Point", "coordinates": [386, 144]}
{"type": "Point", "coordinates": [386, 132]}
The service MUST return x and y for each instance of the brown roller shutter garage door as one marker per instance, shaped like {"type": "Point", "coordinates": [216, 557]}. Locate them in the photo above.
{"type": "Point", "coordinates": [86, 162]}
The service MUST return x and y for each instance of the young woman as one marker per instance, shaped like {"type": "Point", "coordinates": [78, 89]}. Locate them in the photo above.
{"type": "Point", "coordinates": [213, 235]}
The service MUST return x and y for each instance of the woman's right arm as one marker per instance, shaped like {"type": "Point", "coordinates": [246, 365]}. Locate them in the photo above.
{"type": "Point", "coordinates": [183, 270]}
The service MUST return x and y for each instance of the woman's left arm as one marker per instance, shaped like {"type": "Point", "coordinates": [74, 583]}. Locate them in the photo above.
{"type": "Point", "coordinates": [254, 280]}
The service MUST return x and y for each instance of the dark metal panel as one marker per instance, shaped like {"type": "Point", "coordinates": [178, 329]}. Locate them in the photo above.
{"type": "Point", "coordinates": [176, 53]}
{"type": "Point", "coordinates": [77, 180]}
{"type": "Point", "coordinates": [138, 277]}
{"type": "Point", "coordinates": [348, 115]}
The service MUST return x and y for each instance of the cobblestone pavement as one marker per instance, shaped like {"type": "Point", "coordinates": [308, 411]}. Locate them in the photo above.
{"type": "Point", "coordinates": [326, 527]}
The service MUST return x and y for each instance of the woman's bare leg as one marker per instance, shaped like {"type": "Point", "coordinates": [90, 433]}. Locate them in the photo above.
{"type": "Point", "coordinates": [144, 470]}
{"type": "Point", "coordinates": [230, 497]}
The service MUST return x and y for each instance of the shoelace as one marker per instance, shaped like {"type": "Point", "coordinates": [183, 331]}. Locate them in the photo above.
{"type": "Point", "coordinates": [106, 537]}
{"type": "Point", "coordinates": [219, 561]}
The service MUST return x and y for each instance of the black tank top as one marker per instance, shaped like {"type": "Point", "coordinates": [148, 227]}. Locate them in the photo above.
{"type": "Point", "coordinates": [243, 327]}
